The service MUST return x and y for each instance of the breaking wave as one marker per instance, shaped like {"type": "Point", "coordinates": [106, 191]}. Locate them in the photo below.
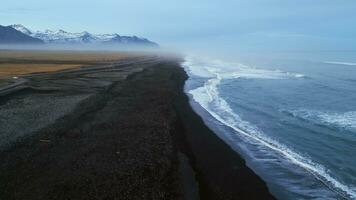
{"type": "Point", "coordinates": [208, 97]}
{"type": "Point", "coordinates": [226, 70]}
{"type": "Point", "coordinates": [340, 63]}
{"type": "Point", "coordinates": [345, 120]}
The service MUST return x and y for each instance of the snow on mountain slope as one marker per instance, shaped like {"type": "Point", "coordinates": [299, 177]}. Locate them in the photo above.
{"type": "Point", "coordinates": [9, 35]}
{"type": "Point", "coordinates": [63, 37]}
{"type": "Point", "coordinates": [22, 29]}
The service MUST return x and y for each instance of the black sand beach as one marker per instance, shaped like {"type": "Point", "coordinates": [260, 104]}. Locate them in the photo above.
{"type": "Point", "coordinates": [121, 131]}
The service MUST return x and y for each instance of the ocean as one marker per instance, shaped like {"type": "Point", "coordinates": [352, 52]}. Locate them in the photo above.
{"type": "Point", "coordinates": [292, 116]}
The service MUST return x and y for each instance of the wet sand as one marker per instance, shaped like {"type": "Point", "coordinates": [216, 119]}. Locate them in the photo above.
{"type": "Point", "coordinates": [120, 131]}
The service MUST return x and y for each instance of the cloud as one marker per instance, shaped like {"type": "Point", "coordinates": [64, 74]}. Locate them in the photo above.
{"type": "Point", "coordinates": [19, 10]}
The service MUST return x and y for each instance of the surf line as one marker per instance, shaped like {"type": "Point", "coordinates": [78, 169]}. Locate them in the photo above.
{"type": "Point", "coordinates": [342, 190]}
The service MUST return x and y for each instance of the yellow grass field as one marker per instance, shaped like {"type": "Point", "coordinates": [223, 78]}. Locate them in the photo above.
{"type": "Point", "coordinates": [7, 70]}
{"type": "Point", "coordinates": [17, 63]}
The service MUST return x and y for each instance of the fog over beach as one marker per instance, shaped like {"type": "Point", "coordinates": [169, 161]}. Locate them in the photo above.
{"type": "Point", "coordinates": [178, 99]}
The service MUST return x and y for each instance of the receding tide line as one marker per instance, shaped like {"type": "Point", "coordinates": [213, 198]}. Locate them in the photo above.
{"type": "Point", "coordinates": [295, 158]}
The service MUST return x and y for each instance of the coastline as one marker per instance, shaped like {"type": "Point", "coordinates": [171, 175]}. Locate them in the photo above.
{"type": "Point", "coordinates": [221, 172]}
{"type": "Point", "coordinates": [135, 138]}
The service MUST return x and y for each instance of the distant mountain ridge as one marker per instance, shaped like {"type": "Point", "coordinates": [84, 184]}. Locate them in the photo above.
{"type": "Point", "coordinates": [64, 37]}
{"type": "Point", "coordinates": [9, 35]}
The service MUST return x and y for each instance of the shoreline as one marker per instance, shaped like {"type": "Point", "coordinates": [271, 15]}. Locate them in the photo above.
{"type": "Point", "coordinates": [134, 137]}
{"type": "Point", "coordinates": [221, 172]}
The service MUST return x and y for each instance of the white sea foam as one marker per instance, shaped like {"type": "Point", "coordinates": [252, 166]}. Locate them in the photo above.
{"type": "Point", "coordinates": [209, 98]}
{"type": "Point", "coordinates": [340, 63]}
{"type": "Point", "coordinates": [208, 68]}
{"type": "Point", "coordinates": [344, 120]}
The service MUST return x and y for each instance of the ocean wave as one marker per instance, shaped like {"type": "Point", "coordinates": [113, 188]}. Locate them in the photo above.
{"type": "Point", "coordinates": [209, 98]}
{"type": "Point", "coordinates": [342, 120]}
{"type": "Point", "coordinates": [207, 68]}
{"type": "Point", "coordinates": [340, 63]}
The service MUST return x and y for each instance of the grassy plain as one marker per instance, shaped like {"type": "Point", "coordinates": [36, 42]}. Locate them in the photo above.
{"type": "Point", "coordinates": [22, 62]}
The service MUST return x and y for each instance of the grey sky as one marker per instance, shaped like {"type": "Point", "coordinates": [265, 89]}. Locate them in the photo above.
{"type": "Point", "coordinates": [322, 24]}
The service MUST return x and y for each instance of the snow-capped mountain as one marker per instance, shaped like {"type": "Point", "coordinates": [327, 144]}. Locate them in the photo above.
{"type": "Point", "coordinates": [9, 35]}
{"type": "Point", "coordinates": [21, 28]}
{"type": "Point", "coordinates": [64, 37]}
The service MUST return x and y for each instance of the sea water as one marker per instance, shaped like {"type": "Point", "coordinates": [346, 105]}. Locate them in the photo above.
{"type": "Point", "coordinates": [291, 116]}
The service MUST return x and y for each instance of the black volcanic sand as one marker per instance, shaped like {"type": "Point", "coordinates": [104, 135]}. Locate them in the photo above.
{"type": "Point", "coordinates": [131, 135]}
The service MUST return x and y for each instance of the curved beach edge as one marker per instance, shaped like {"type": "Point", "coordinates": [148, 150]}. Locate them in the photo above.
{"type": "Point", "coordinates": [132, 134]}
{"type": "Point", "coordinates": [220, 171]}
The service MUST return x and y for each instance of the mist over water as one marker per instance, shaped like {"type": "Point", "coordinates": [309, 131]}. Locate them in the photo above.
{"type": "Point", "coordinates": [290, 114]}
{"type": "Point", "coordinates": [275, 79]}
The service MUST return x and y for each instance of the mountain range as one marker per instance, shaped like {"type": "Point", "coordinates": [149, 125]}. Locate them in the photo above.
{"type": "Point", "coordinates": [9, 35]}
{"type": "Point", "coordinates": [12, 33]}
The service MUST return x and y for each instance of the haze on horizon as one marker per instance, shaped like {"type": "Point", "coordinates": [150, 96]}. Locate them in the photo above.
{"type": "Point", "coordinates": [254, 25]}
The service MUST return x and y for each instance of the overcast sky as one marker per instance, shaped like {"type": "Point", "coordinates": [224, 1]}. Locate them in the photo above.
{"type": "Point", "coordinates": [285, 24]}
